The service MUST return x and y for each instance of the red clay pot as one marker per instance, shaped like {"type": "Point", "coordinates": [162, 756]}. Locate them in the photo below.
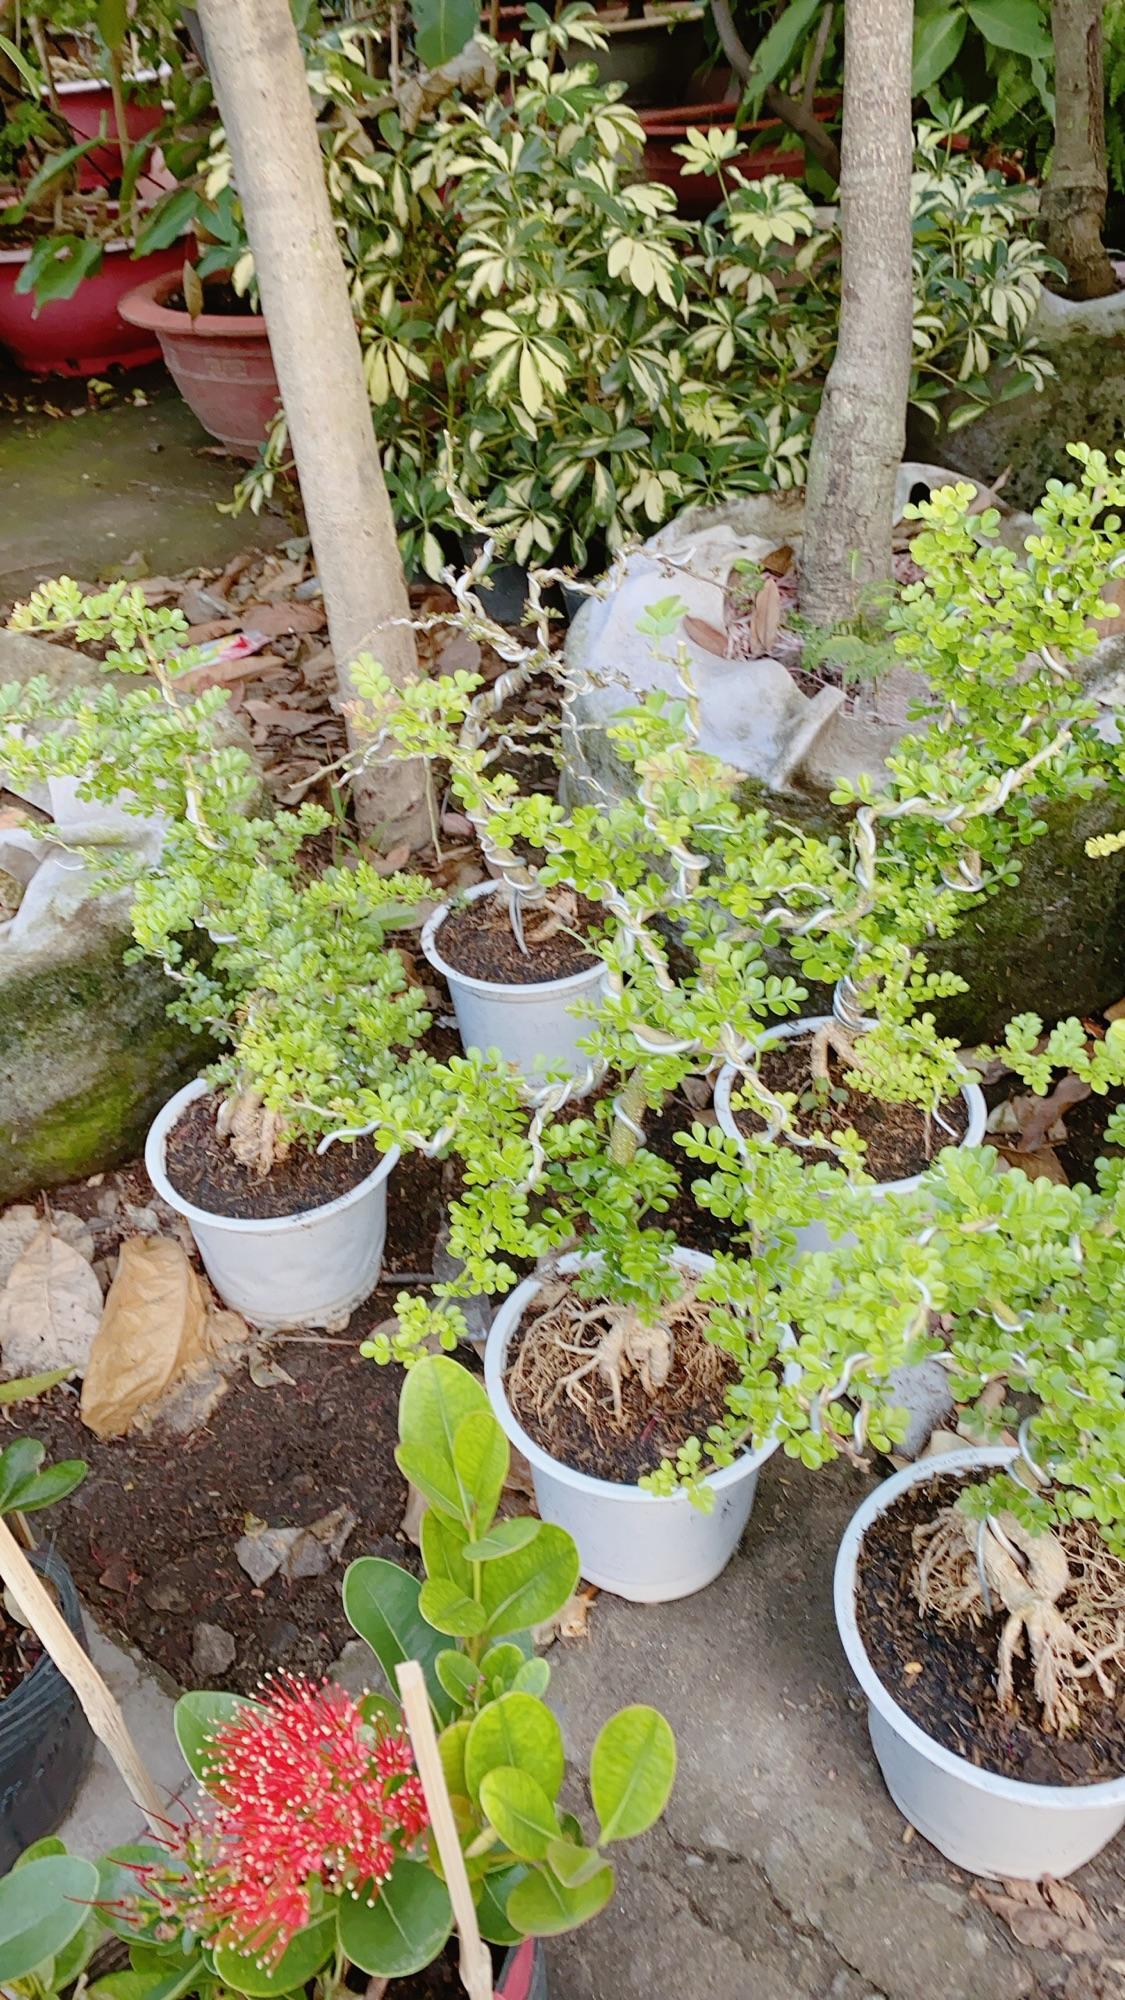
{"type": "Point", "coordinates": [87, 106]}
{"type": "Point", "coordinates": [221, 363]}
{"type": "Point", "coordinates": [83, 335]}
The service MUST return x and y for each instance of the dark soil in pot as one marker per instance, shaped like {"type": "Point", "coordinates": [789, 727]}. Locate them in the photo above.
{"type": "Point", "coordinates": [220, 301]}
{"type": "Point", "coordinates": [203, 1168]}
{"type": "Point", "coordinates": [944, 1674]}
{"type": "Point", "coordinates": [578, 1424]}
{"type": "Point", "coordinates": [898, 1143]}
{"type": "Point", "coordinates": [479, 941]}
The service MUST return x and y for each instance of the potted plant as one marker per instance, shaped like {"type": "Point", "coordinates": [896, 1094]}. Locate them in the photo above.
{"type": "Point", "coordinates": [311, 1854]}
{"type": "Point", "coordinates": [45, 1741]}
{"type": "Point", "coordinates": [992, 1665]}
{"type": "Point", "coordinates": [279, 1156]}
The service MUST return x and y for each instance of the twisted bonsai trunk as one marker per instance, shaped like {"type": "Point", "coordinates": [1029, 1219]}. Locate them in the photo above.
{"type": "Point", "coordinates": [1074, 198]}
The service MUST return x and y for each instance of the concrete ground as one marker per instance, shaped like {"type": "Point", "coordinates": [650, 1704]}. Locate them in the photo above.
{"type": "Point", "coordinates": [88, 490]}
{"type": "Point", "coordinates": [782, 1871]}
{"type": "Point", "coordinates": [103, 1815]}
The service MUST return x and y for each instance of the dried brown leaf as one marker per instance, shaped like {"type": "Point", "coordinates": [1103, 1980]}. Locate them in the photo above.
{"type": "Point", "coordinates": [50, 1308]}
{"type": "Point", "coordinates": [276, 715]}
{"type": "Point", "coordinates": [765, 619]}
{"type": "Point", "coordinates": [1043, 1164]}
{"type": "Point", "coordinates": [274, 619]}
{"type": "Point", "coordinates": [1035, 1918]}
{"type": "Point", "coordinates": [779, 561]}
{"type": "Point", "coordinates": [707, 636]}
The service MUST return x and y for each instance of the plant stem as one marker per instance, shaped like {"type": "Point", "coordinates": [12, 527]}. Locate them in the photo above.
{"type": "Point", "coordinates": [628, 1115]}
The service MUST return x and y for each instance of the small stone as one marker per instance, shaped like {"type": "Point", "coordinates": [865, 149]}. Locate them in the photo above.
{"type": "Point", "coordinates": [164, 1595]}
{"type": "Point", "coordinates": [279, 1636]}
{"type": "Point", "coordinates": [213, 1651]}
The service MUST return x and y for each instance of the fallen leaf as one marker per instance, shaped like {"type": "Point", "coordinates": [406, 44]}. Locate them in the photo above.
{"type": "Point", "coordinates": [116, 1575]}
{"type": "Point", "coordinates": [276, 715]}
{"type": "Point", "coordinates": [395, 858]}
{"type": "Point", "coordinates": [458, 654]}
{"type": "Point", "coordinates": [765, 619]}
{"type": "Point", "coordinates": [455, 822]}
{"type": "Point", "coordinates": [274, 619]}
{"type": "Point", "coordinates": [266, 1373]}
{"type": "Point", "coordinates": [1044, 1915]}
{"type": "Point", "coordinates": [224, 673]}
{"type": "Point", "coordinates": [17, 1227]}
{"type": "Point", "coordinates": [571, 1622]}
{"type": "Point", "coordinates": [779, 561]}
{"type": "Point", "coordinates": [212, 628]}
{"type": "Point", "coordinates": [1043, 1164]}
{"type": "Point", "coordinates": [411, 1522]}
{"type": "Point", "coordinates": [707, 636]}
{"type": "Point", "coordinates": [153, 1329]}
{"type": "Point", "coordinates": [199, 606]}
{"type": "Point", "coordinates": [284, 578]}
{"type": "Point", "coordinates": [50, 1308]}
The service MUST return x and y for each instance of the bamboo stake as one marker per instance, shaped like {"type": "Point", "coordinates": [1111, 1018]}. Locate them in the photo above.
{"type": "Point", "coordinates": [100, 1707]}
{"type": "Point", "coordinates": [476, 1963]}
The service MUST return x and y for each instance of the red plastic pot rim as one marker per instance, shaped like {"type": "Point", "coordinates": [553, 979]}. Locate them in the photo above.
{"type": "Point", "coordinates": [144, 306]}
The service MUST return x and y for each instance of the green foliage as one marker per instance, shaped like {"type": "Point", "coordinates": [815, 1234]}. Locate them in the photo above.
{"type": "Point", "coordinates": [24, 1487]}
{"type": "Point", "coordinates": [487, 1582]}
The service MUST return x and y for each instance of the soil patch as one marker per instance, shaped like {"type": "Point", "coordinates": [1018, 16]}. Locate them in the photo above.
{"type": "Point", "coordinates": [20, 1651]}
{"type": "Point", "coordinates": [953, 1698]}
{"type": "Point", "coordinates": [898, 1141]}
{"type": "Point", "coordinates": [203, 1167]}
{"type": "Point", "coordinates": [579, 1425]}
{"type": "Point", "coordinates": [220, 301]}
{"type": "Point", "coordinates": [479, 940]}
{"type": "Point", "coordinates": [150, 1535]}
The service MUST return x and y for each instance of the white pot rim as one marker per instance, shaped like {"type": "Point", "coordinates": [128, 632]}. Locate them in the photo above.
{"type": "Point", "coordinates": [76, 84]}
{"type": "Point", "coordinates": [1058, 1798]}
{"type": "Point", "coordinates": [242, 1225]}
{"type": "Point", "coordinates": [527, 989]}
{"type": "Point", "coordinates": [787, 1031]}
{"type": "Point", "coordinates": [506, 1324]}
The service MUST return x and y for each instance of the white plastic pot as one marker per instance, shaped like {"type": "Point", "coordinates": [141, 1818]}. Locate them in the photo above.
{"type": "Point", "coordinates": [638, 1545]}
{"type": "Point", "coordinates": [531, 1026]}
{"type": "Point", "coordinates": [987, 1824]}
{"type": "Point", "coordinates": [308, 1269]}
{"type": "Point", "coordinates": [921, 1387]}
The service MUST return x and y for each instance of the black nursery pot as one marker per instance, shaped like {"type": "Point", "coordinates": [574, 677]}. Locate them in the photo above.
{"type": "Point", "coordinates": [46, 1743]}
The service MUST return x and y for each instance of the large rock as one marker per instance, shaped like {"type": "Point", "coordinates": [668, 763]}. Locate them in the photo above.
{"type": "Point", "coordinates": [1055, 944]}
{"type": "Point", "coordinates": [1083, 400]}
{"type": "Point", "coordinates": [87, 1052]}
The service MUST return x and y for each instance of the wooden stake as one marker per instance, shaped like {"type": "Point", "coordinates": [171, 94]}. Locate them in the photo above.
{"type": "Point", "coordinates": [476, 1962]}
{"type": "Point", "coordinates": [100, 1707]}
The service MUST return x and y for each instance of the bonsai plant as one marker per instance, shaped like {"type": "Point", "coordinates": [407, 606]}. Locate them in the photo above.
{"type": "Point", "coordinates": [1002, 1741]}
{"type": "Point", "coordinates": [291, 973]}
{"type": "Point", "coordinates": [310, 1856]}
{"type": "Point", "coordinates": [47, 1743]}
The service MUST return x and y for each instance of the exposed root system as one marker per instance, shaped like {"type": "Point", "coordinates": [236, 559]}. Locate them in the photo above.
{"type": "Point", "coordinates": [1065, 1604]}
{"type": "Point", "coordinates": [256, 1136]}
{"type": "Point", "coordinates": [603, 1389]}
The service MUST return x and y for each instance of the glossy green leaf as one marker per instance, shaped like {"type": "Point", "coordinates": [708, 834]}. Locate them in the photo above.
{"type": "Point", "coordinates": [404, 1927]}
{"type": "Point", "coordinates": [437, 1396]}
{"type": "Point", "coordinates": [442, 28]}
{"type": "Point", "coordinates": [42, 1907]}
{"type": "Point", "coordinates": [458, 1675]}
{"type": "Point", "coordinates": [775, 53]}
{"type": "Point", "coordinates": [938, 35]}
{"type": "Point", "coordinates": [25, 1388]}
{"type": "Point", "coordinates": [197, 1716]}
{"type": "Point", "coordinates": [298, 1963]}
{"type": "Point", "coordinates": [501, 1664]}
{"type": "Point", "coordinates": [446, 1607]}
{"type": "Point", "coordinates": [75, 1956]}
{"type": "Point", "coordinates": [481, 1456]}
{"type": "Point", "coordinates": [517, 1806]}
{"type": "Point", "coordinates": [112, 17]}
{"type": "Point", "coordinates": [503, 1538]}
{"type": "Point", "coordinates": [573, 1863]}
{"type": "Point", "coordinates": [534, 1677]}
{"type": "Point", "coordinates": [125, 1985]}
{"type": "Point", "coordinates": [492, 1900]}
{"type": "Point", "coordinates": [522, 1589]}
{"type": "Point", "coordinates": [381, 1604]}
{"type": "Point", "coordinates": [632, 1771]}
{"type": "Point", "coordinates": [542, 1906]}
{"type": "Point", "coordinates": [520, 1731]}
{"type": "Point", "coordinates": [451, 1748]}
{"type": "Point", "coordinates": [167, 221]}
{"type": "Point", "coordinates": [57, 266]}
{"type": "Point", "coordinates": [19, 62]}
{"type": "Point", "coordinates": [39, 1850]}
{"type": "Point", "coordinates": [1011, 24]}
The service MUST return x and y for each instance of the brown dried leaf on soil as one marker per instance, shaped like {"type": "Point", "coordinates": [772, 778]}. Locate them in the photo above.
{"type": "Point", "coordinates": [707, 636]}
{"type": "Point", "coordinates": [411, 1523]}
{"type": "Point", "coordinates": [571, 1622]}
{"type": "Point", "coordinates": [50, 1307]}
{"type": "Point", "coordinates": [274, 619]}
{"type": "Point", "coordinates": [1048, 1915]}
{"type": "Point", "coordinates": [765, 619]}
{"type": "Point", "coordinates": [1043, 1164]}
{"type": "Point", "coordinates": [277, 715]}
{"type": "Point", "coordinates": [153, 1330]}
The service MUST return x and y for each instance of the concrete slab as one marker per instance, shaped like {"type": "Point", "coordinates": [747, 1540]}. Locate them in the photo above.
{"type": "Point", "coordinates": [81, 493]}
{"type": "Point", "coordinates": [103, 1815]}
{"type": "Point", "coordinates": [782, 1870]}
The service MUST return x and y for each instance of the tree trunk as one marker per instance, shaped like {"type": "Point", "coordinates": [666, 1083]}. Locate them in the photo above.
{"type": "Point", "coordinates": [1074, 198]}
{"type": "Point", "coordinates": [861, 426]}
{"type": "Point", "coordinates": [259, 78]}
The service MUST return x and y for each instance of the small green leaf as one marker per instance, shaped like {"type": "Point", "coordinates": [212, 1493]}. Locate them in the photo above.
{"type": "Point", "coordinates": [459, 1676]}
{"type": "Point", "coordinates": [531, 1584]}
{"type": "Point", "coordinates": [938, 35]}
{"type": "Point", "coordinates": [492, 1900]}
{"type": "Point", "coordinates": [42, 1907]}
{"type": "Point", "coordinates": [451, 1748]}
{"type": "Point", "coordinates": [442, 28]}
{"type": "Point", "coordinates": [1011, 24]}
{"type": "Point", "coordinates": [503, 1538]}
{"type": "Point", "coordinates": [381, 1604]}
{"type": "Point", "coordinates": [403, 1928]}
{"type": "Point", "coordinates": [519, 1809]}
{"type": "Point", "coordinates": [24, 1388]}
{"type": "Point", "coordinates": [481, 1457]}
{"type": "Point", "coordinates": [573, 1863]}
{"type": "Point", "coordinates": [534, 1677]}
{"type": "Point", "coordinates": [448, 1608]}
{"type": "Point", "coordinates": [520, 1731]}
{"type": "Point", "coordinates": [632, 1770]}
{"type": "Point", "coordinates": [197, 1716]}
{"type": "Point", "coordinates": [542, 1906]}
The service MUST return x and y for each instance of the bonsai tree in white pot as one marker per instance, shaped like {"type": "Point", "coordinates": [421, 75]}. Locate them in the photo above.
{"type": "Point", "coordinates": [292, 974]}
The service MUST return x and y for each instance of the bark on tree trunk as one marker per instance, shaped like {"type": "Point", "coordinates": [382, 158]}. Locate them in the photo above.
{"type": "Point", "coordinates": [259, 78]}
{"type": "Point", "coordinates": [1074, 198]}
{"type": "Point", "coordinates": [861, 425]}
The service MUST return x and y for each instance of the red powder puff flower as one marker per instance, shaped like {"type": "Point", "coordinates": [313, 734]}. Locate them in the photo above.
{"type": "Point", "coordinates": [304, 1790]}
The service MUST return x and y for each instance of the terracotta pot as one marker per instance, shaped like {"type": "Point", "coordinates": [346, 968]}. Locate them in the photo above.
{"type": "Point", "coordinates": [87, 106]}
{"type": "Point", "coordinates": [221, 363]}
{"type": "Point", "coordinates": [83, 335]}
